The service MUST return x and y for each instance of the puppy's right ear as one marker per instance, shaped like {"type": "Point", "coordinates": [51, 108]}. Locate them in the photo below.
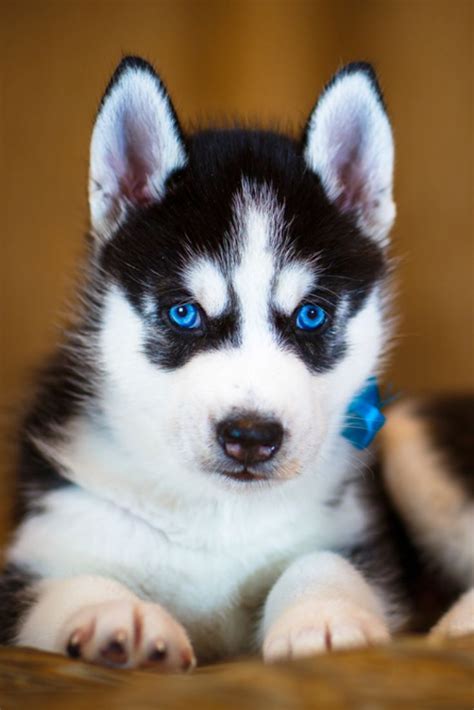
{"type": "Point", "coordinates": [136, 144]}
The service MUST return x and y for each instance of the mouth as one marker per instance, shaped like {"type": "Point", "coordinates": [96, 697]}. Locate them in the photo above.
{"type": "Point", "coordinates": [245, 476]}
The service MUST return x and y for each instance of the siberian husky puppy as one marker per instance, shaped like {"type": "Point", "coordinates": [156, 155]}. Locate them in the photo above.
{"type": "Point", "coordinates": [189, 487]}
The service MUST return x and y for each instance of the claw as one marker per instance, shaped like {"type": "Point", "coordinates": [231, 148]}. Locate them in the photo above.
{"type": "Point", "coordinates": [73, 648]}
{"type": "Point", "coordinates": [158, 653]}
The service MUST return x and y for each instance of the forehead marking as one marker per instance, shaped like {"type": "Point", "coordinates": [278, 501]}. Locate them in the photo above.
{"type": "Point", "coordinates": [149, 305]}
{"type": "Point", "coordinates": [294, 282]}
{"type": "Point", "coordinates": [259, 223]}
{"type": "Point", "coordinates": [206, 282]}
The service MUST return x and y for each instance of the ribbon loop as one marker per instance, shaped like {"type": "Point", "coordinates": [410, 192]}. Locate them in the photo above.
{"type": "Point", "coordinates": [364, 417]}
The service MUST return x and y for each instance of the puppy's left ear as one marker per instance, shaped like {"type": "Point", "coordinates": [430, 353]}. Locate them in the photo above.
{"type": "Point", "coordinates": [136, 144]}
{"type": "Point", "coordinates": [348, 142]}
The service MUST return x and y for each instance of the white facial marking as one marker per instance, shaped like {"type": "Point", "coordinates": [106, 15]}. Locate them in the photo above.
{"type": "Point", "coordinates": [149, 306]}
{"type": "Point", "coordinates": [259, 222]}
{"type": "Point", "coordinates": [206, 282]}
{"type": "Point", "coordinates": [294, 281]}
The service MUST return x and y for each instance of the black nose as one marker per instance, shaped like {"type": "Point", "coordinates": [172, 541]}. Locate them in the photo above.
{"type": "Point", "coordinates": [250, 440]}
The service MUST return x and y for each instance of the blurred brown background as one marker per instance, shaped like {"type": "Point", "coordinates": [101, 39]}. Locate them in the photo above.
{"type": "Point", "coordinates": [256, 58]}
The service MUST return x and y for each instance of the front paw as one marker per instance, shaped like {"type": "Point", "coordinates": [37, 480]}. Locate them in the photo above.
{"type": "Point", "coordinates": [315, 626]}
{"type": "Point", "coordinates": [127, 634]}
{"type": "Point", "coordinates": [458, 621]}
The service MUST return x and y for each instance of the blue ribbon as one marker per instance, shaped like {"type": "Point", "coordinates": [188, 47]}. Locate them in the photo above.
{"type": "Point", "coordinates": [364, 417]}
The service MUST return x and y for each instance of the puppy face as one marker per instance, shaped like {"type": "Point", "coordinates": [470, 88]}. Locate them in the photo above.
{"type": "Point", "coordinates": [242, 278]}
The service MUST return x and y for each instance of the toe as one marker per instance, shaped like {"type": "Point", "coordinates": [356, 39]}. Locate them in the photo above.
{"type": "Point", "coordinates": [276, 648]}
{"type": "Point", "coordinates": [83, 632]}
{"type": "Point", "coordinates": [158, 652]}
{"type": "Point", "coordinates": [165, 645]}
{"type": "Point", "coordinates": [115, 651]}
{"type": "Point", "coordinates": [309, 641]}
{"type": "Point", "coordinates": [188, 660]}
{"type": "Point", "coordinates": [346, 636]}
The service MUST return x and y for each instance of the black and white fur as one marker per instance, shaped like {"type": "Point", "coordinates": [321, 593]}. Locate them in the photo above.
{"type": "Point", "coordinates": [140, 540]}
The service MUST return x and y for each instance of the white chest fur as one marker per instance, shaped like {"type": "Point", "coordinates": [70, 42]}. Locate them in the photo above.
{"type": "Point", "coordinates": [210, 561]}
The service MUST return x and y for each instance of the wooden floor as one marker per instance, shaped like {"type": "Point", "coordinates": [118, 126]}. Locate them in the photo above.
{"type": "Point", "coordinates": [409, 674]}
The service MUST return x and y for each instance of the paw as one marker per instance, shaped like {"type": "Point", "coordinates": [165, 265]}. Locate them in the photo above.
{"type": "Point", "coordinates": [128, 634]}
{"type": "Point", "coordinates": [314, 626]}
{"type": "Point", "coordinates": [458, 621]}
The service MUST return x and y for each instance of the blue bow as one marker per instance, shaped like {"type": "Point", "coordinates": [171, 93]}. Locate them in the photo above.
{"type": "Point", "coordinates": [364, 416]}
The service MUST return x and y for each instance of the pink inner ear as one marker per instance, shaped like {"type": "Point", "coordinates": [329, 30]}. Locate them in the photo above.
{"type": "Point", "coordinates": [136, 191]}
{"type": "Point", "coordinates": [134, 183]}
{"type": "Point", "coordinates": [352, 196]}
{"type": "Point", "coordinates": [350, 169]}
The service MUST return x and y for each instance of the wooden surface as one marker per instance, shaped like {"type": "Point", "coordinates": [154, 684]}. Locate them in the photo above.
{"type": "Point", "coordinates": [406, 675]}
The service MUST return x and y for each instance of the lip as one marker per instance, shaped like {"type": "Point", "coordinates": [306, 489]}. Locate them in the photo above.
{"type": "Point", "coordinates": [245, 476]}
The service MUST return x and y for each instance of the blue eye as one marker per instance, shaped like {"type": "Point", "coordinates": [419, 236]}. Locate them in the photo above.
{"type": "Point", "coordinates": [185, 315]}
{"type": "Point", "coordinates": [310, 317]}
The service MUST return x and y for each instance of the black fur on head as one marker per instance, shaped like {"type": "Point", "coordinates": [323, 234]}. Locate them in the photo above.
{"type": "Point", "coordinates": [148, 253]}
